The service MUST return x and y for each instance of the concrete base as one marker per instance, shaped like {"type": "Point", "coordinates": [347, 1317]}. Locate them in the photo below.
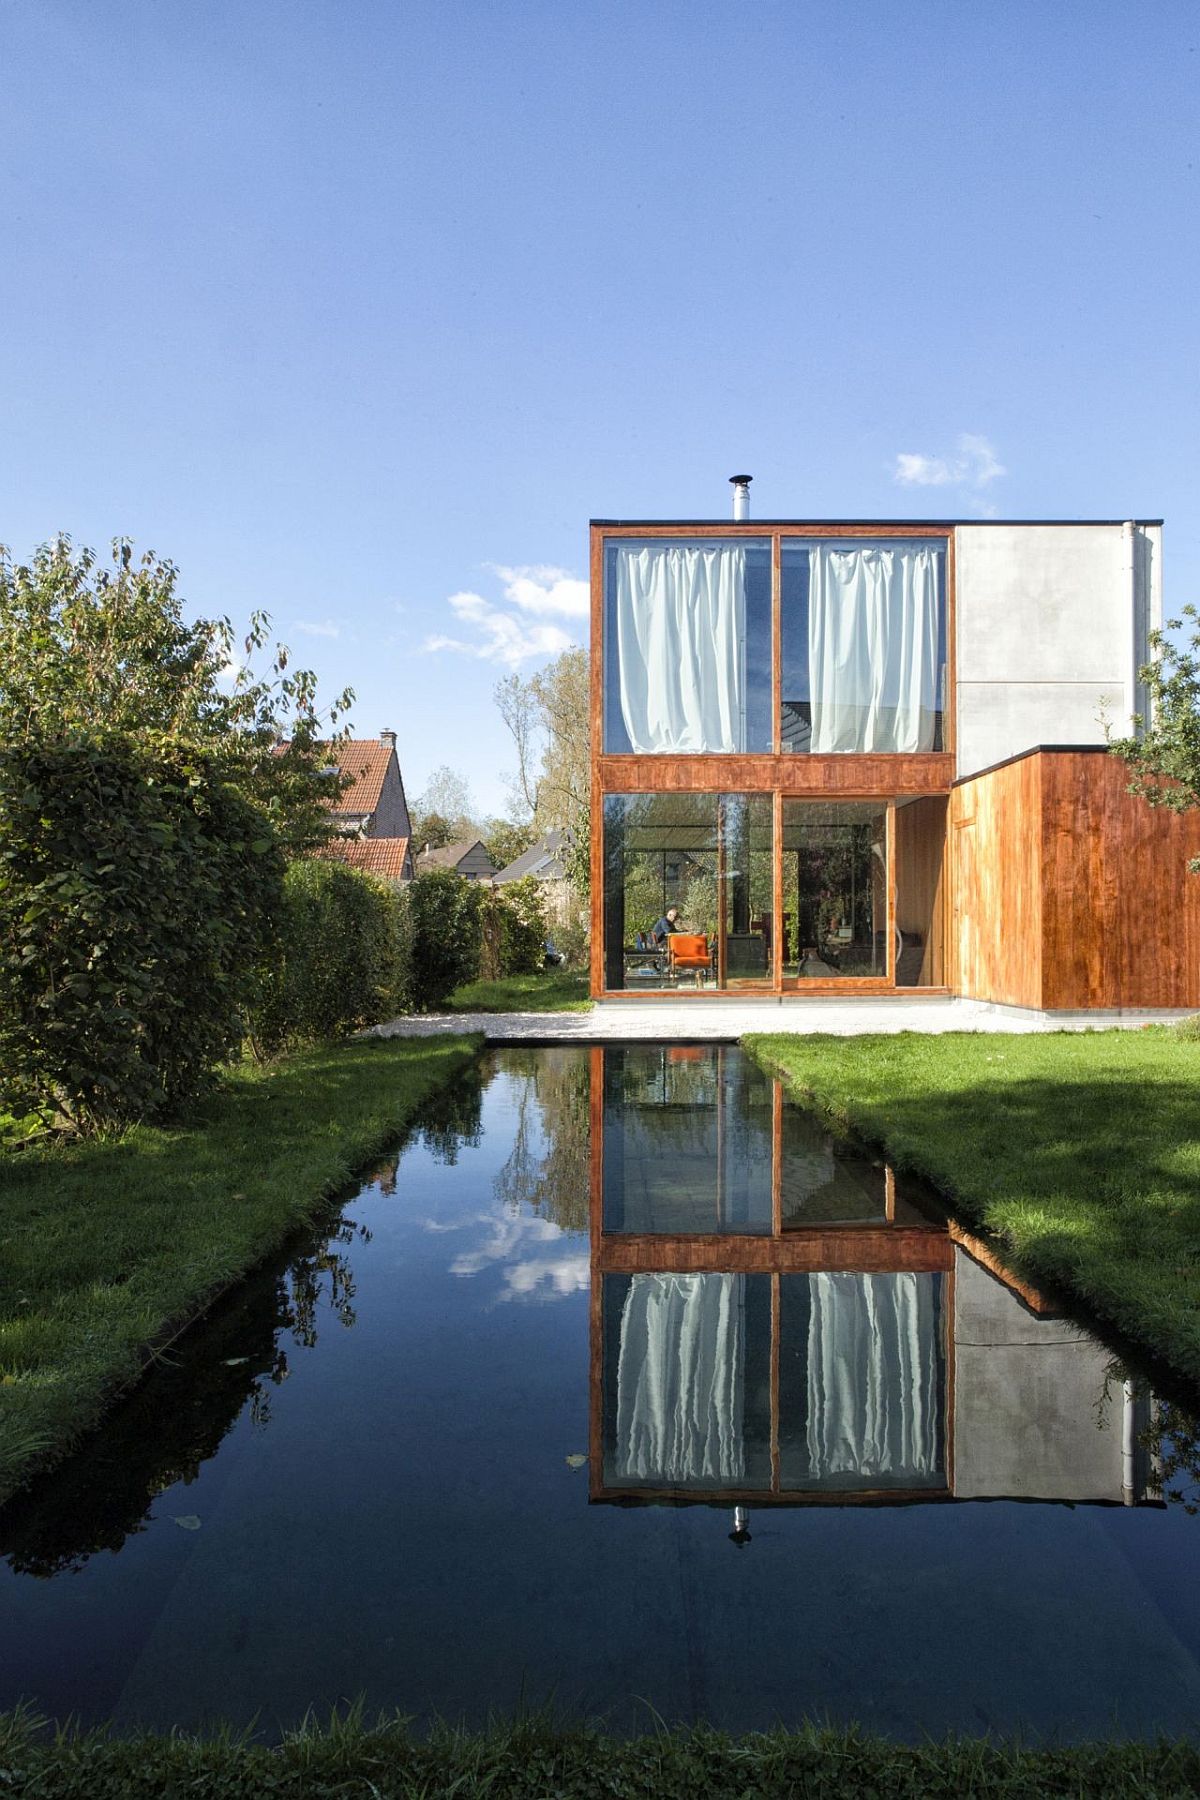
{"type": "Point", "coordinates": [711, 1020]}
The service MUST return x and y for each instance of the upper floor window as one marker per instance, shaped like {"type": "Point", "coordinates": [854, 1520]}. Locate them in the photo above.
{"type": "Point", "coordinates": [687, 632]}
{"type": "Point", "coordinates": [864, 644]}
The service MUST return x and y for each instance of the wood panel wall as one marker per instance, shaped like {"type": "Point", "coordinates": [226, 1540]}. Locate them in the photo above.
{"type": "Point", "coordinates": [996, 913]}
{"type": "Point", "coordinates": [919, 873]}
{"type": "Point", "coordinates": [1069, 891]}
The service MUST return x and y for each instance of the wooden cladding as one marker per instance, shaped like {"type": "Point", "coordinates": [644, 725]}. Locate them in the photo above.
{"type": "Point", "coordinates": [1069, 891]}
{"type": "Point", "coordinates": [802, 776]}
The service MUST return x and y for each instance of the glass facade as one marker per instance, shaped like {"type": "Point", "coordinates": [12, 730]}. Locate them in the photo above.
{"type": "Point", "coordinates": [835, 890]}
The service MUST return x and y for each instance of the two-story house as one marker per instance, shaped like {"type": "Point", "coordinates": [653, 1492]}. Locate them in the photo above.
{"type": "Point", "coordinates": [373, 824]}
{"type": "Point", "coordinates": [869, 757]}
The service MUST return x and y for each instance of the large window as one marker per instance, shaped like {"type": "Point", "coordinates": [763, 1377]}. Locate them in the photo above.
{"type": "Point", "coordinates": [835, 890]}
{"type": "Point", "coordinates": [701, 863]}
{"type": "Point", "coordinates": [687, 632]}
{"type": "Point", "coordinates": [864, 645]}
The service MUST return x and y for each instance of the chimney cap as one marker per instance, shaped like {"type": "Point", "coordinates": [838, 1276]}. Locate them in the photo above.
{"type": "Point", "coordinates": [741, 480]}
{"type": "Point", "coordinates": [388, 737]}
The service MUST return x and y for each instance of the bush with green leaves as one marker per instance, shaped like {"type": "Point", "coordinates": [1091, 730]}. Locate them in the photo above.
{"type": "Point", "coordinates": [341, 958]}
{"type": "Point", "coordinates": [138, 890]}
{"type": "Point", "coordinates": [446, 935]}
{"type": "Point", "coordinates": [514, 930]}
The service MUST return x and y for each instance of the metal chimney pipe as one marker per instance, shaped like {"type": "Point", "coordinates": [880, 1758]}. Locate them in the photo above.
{"type": "Point", "coordinates": [741, 495]}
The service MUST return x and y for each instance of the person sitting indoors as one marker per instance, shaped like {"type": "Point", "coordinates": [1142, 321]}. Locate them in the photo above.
{"type": "Point", "coordinates": [665, 926]}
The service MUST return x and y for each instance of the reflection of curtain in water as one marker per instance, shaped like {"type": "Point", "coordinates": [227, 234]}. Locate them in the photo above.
{"type": "Point", "coordinates": [679, 1379]}
{"type": "Point", "coordinates": [872, 1375]}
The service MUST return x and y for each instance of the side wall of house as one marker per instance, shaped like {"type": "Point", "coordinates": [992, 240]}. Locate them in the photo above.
{"type": "Point", "coordinates": [995, 881]}
{"type": "Point", "coordinates": [1120, 911]}
{"type": "Point", "coordinates": [391, 818]}
{"type": "Point", "coordinates": [1051, 627]}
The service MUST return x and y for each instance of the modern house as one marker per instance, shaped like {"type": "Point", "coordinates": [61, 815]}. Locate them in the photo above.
{"type": "Point", "coordinates": [870, 757]}
{"type": "Point", "coordinates": [468, 858]}
{"type": "Point", "coordinates": [374, 829]}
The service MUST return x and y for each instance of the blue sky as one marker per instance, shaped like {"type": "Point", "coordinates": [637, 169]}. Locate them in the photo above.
{"type": "Point", "coordinates": [360, 310]}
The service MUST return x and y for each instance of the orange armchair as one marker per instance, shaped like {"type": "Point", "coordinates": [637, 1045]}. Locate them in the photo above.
{"type": "Point", "coordinates": [685, 951]}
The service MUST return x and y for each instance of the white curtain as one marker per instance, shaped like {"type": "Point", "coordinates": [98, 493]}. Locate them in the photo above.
{"type": "Point", "coordinates": [680, 615]}
{"type": "Point", "coordinates": [679, 1380]}
{"type": "Point", "coordinates": [872, 1377]}
{"type": "Point", "coordinates": [873, 646]}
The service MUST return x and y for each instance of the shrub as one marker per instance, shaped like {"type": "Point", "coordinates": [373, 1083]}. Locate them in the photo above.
{"type": "Point", "coordinates": [341, 958]}
{"type": "Point", "coordinates": [137, 895]}
{"type": "Point", "coordinates": [514, 930]}
{"type": "Point", "coordinates": [446, 935]}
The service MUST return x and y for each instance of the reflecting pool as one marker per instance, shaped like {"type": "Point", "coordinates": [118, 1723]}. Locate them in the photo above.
{"type": "Point", "coordinates": [627, 1387]}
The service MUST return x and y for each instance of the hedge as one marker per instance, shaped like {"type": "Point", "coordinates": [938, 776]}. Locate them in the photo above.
{"type": "Point", "coordinates": [342, 957]}
{"type": "Point", "coordinates": [447, 935]}
{"type": "Point", "coordinates": [137, 898]}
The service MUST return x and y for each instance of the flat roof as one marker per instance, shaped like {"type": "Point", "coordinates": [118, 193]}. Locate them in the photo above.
{"type": "Point", "coordinates": [881, 524]}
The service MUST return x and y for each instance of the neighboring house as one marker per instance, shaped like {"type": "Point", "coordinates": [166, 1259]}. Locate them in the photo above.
{"type": "Point", "coordinates": [374, 829]}
{"type": "Point", "coordinates": [543, 861]}
{"type": "Point", "coordinates": [869, 757]}
{"type": "Point", "coordinates": [468, 859]}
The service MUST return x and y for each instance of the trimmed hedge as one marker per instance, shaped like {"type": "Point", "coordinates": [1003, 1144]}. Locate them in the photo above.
{"type": "Point", "coordinates": [447, 935]}
{"type": "Point", "coordinates": [342, 959]}
{"type": "Point", "coordinates": [137, 897]}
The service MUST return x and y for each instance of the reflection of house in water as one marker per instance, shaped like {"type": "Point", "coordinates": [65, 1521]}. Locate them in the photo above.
{"type": "Point", "coordinates": [776, 1320]}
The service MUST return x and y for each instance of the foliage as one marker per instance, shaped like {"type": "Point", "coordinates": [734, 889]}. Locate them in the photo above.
{"type": "Point", "coordinates": [81, 644]}
{"type": "Point", "coordinates": [342, 958]}
{"type": "Point", "coordinates": [1165, 762]}
{"type": "Point", "coordinates": [506, 839]}
{"type": "Point", "coordinates": [443, 813]}
{"type": "Point", "coordinates": [513, 921]}
{"type": "Point", "coordinates": [137, 890]}
{"type": "Point", "coordinates": [112, 1244]}
{"type": "Point", "coordinates": [531, 1757]}
{"type": "Point", "coordinates": [1079, 1151]}
{"type": "Point", "coordinates": [446, 935]}
{"type": "Point", "coordinates": [548, 716]}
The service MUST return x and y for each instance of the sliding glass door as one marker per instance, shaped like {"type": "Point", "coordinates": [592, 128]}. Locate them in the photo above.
{"type": "Point", "coordinates": [835, 891]}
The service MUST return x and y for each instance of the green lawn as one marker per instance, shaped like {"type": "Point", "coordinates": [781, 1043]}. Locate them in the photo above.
{"type": "Point", "coordinates": [107, 1247]}
{"type": "Point", "coordinates": [530, 1760]}
{"type": "Point", "coordinates": [1081, 1152]}
{"type": "Point", "coordinates": [550, 990]}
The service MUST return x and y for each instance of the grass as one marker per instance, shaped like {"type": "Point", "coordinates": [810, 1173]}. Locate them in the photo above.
{"type": "Point", "coordinates": [550, 990]}
{"type": "Point", "coordinates": [530, 1759]}
{"type": "Point", "coordinates": [1079, 1152]}
{"type": "Point", "coordinates": [109, 1247]}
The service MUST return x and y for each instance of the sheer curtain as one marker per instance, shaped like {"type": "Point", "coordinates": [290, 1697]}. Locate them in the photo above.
{"type": "Point", "coordinates": [680, 1378]}
{"type": "Point", "coordinates": [680, 614]}
{"type": "Point", "coordinates": [873, 645]}
{"type": "Point", "coordinates": [873, 1377]}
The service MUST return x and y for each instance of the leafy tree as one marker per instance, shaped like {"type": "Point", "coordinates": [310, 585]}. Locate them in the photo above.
{"type": "Point", "coordinates": [83, 645]}
{"type": "Point", "coordinates": [444, 812]}
{"type": "Point", "coordinates": [548, 717]}
{"type": "Point", "coordinates": [506, 839]}
{"type": "Point", "coordinates": [1165, 762]}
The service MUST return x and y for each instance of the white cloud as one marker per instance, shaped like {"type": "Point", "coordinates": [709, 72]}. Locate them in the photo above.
{"type": "Point", "coordinates": [519, 628]}
{"type": "Point", "coordinates": [974, 465]}
{"type": "Point", "coordinates": [314, 628]}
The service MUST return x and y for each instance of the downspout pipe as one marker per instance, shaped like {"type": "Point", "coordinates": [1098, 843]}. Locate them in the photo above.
{"type": "Point", "coordinates": [1129, 584]}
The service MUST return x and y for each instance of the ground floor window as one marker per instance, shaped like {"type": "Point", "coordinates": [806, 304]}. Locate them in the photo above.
{"type": "Point", "coordinates": [700, 892]}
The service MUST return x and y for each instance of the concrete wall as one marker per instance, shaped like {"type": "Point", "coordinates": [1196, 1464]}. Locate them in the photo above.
{"type": "Point", "coordinates": [1052, 622]}
{"type": "Point", "coordinates": [1030, 1416]}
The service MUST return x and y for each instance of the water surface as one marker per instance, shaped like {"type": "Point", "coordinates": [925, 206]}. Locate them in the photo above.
{"type": "Point", "coordinates": [481, 1444]}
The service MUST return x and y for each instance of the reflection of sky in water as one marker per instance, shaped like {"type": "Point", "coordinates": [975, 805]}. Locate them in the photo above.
{"type": "Point", "coordinates": [539, 1261]}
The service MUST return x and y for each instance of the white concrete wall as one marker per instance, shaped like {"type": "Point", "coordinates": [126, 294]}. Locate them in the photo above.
{"type": "Point", "coordinates": [1051, 627]}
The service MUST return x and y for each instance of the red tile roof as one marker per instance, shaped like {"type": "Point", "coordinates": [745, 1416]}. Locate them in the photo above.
{"type": "Point", "coordinates": [366, 762]}
{"type": "Point", "coordinates": [381, 856]}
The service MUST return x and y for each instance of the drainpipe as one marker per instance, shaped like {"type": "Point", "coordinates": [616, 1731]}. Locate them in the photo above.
{"type": "Point", "coordinates": [1129, 583]}
{"type": "Point", "coordinates": [741, 496]}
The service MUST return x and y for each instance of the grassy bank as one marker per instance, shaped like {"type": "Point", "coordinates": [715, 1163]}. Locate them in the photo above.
{"type": "Point", "coordinates": [530, 1761]}
{"type": "Point", "coordinates": [108, 1247]}
{"type": "Point", "coordinates": [550, 990]}
{"type": "Point", "coordinates": [1081, 1152]}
